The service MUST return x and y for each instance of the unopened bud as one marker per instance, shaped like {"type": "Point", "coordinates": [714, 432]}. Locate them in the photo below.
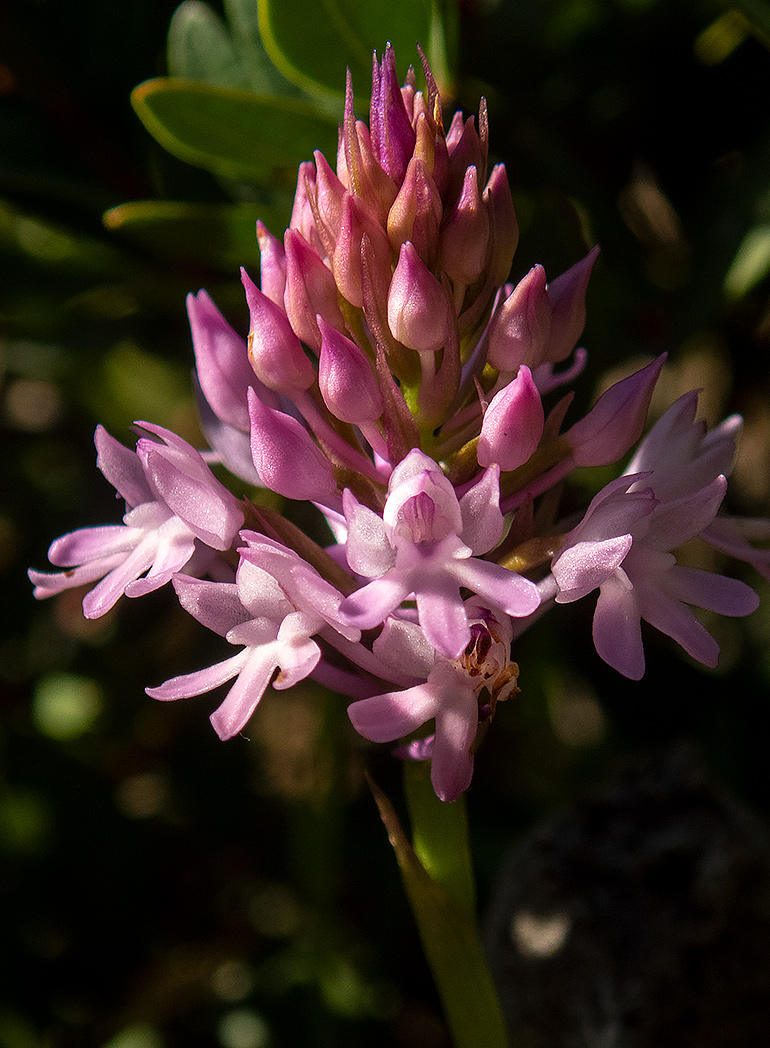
{"type": "Point", "coordinates": [521, 326]}
{"type": "Point", "coordinates": [512, 425]}
{"type": "Point", "coordinates": [417, 304]}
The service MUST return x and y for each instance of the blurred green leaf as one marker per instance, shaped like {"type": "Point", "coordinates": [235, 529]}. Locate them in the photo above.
{"type": "Point", "coordinates": [231, 132]}
{"type": "Point", "coordinates": [263, 77]}
{"type": "Point", "coordinates": [312, 42]}
{"type": "Point", "coordinates": [222, 235]}
{"type": "Point", "coordinates": [200, 48]}
{"type": "Point", "coordinates": [751, 263]}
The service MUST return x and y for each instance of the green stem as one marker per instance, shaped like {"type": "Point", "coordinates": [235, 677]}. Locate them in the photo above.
{"type": "Point", "coordinates": [438, 879]}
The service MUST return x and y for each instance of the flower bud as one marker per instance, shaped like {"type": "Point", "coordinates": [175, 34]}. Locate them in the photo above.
{"type": "Point", "coordinates": [272, 265]}
{"type": "Point", "coordinates": [512, 425]}
{"type": "Point", "coordinates": [392, 134]}
{"type": "Point", "coordinates": [302, 218]}
{"type": "Point", "coordinates": [416, 213]}
{"type": "Point", "coordinates": [275, 352]}
{"type": "Point", "coordinates": [521, 326]}
{"type": "Point", "coordinates": [465, 237]}
{"type": "Point", "coordinates": [355, 222]}
{"type": "Point", "coordinates": [417, 304]}
{"type": "Point", "coordinates": [504, 226]}
{"type": "Point", "coordinates": [616, 420]}
{"type": "Point", "coordinates": [310, 289]}
{"type": "Point", "coordinates": [329, 194]}
{"type": "Point", "coordinates": [346, 380]}
{"type": "Point", "coordinates": [567, 295]}
{"type": "Point", "coordinates": [222, 361]}
{"type": "Point", "coordinates": [286, 457]}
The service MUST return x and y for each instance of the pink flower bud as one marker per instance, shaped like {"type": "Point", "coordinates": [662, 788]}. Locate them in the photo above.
{"type": "Point", "coordinates": [521, 326]}
{"type": "Point", "coordinates": [567, 295]}
{"type": "Point", "coordinates": [272, 265]}
{"type": "Point", "coordinates": [616, 420]}
{"type": "Point", "coordinates": [222, 361]}
{"type": "Point", "coordinates": [358, 168]}
{"type": "Point", "coordinates": [275, 352]}
{"type": "Point", "coordinates": [392, 134]}
{"type": "Point", "coordinates": [355, 222]}
{"type": "Point", "coordinates": [310, 289]}
{"type": "Point", "coordinates": [286, 457]}
{"type": "Point", "coordinates": [418, 312]}
{"type": "Point", "coordinates": [416, 212]}
{"type": "Point", "coordinates": [465, 150]}
{"type": "Point", "coordinates": [504, 226]}
{"type": "Point", "coordinates": [513, 424]}
{"type": "Point", "coordinates": [329, 194]}
{"type": "Point", "coordinates": [465, 237]}
{"type": "Point", "coordinates": [348, 386]}
{"type": "Point", "coordinates": [302, 218]}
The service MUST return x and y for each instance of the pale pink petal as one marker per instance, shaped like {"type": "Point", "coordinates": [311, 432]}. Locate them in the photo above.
{"type": "Point", "coordinates": [617, 628]}
{"type": "Point", "coordinates": [121, 467]}
{"type": "Point", "coordinates": [83, 545]}
{"type": "Point", "coordinates": [369, 606]}
{"type": "Point", "coordinates": [442, 615]}
{"type": "Point", "coordinates": [387, 717]}
{"type": "Point", "coordinates": [480, 507]}
{"type": "Point", "coordinates": [216, 605]}
{"type": "Point", "coordinates": [679, 622]}
{"type": "Point", "coordinates": [512, 592]}
{"type": "Point", "coordinates": [586, 565]}
{"type": "Point", "coordinates": [243, 698]}
{"type": "Point", "coordinates": [704, 589]}
{"type": "Point", "coordinates": [199, 682]}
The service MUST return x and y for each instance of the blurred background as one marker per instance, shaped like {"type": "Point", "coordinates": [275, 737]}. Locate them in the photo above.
{"type": "Point", "coordinates": [159, 888]}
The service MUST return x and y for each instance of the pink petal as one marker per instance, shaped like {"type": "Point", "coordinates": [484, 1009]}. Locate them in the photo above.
{"type": "Point", "coordinates": [387, 717]}
{"type": "Point", "coordinates": [199, 682]}
{"type": "Point", "coordinates": [617, 628]}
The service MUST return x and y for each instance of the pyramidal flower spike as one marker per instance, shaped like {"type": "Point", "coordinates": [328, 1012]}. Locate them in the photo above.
{"type": "Point", "coordinates": [396, 380]}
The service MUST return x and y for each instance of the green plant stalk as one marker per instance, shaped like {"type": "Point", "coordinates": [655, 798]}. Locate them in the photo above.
{"type": "Point", "coordinates": [442, 904]}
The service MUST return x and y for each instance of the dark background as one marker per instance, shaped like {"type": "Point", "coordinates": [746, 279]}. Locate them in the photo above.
{"type": "Point", "coordinates": [159, 888]}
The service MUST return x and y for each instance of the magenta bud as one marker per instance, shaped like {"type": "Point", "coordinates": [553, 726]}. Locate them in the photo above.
{"type": "Point", "coordinates": [347, 383]}
{"type": "Point", "coordinates": [616, 420]}
{"type": "Point", "coordinates": [521, 326]}
{"type": "Point", "coordinates": [465, 150]}
{"type": "Point", "coordinates": [567, 295]}
{"type": "Point", "coordinates": [275, 352]}
{"type": "Point", "coordinates": [392, 134]}
{"type": "Point", "coordinates": [418, 311]}
{"type": "Point", "coordinates": [310, 289]}
{"type": "Point", "coordinates": [465, 237]}
{"type": "Point", "coordinates": [286, 457]}
{"type": "Point", "coordinates": [272, 264]}
{"type": "Point", "coordinates": [513, 424]}
{"type": "Point", "coordinates": [504, 226]}
{"type": "Point", "coordinates": [416, 212]}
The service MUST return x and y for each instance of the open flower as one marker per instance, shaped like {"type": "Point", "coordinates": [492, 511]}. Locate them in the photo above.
{"type": "Point", "coordinates": [175, 508]}
{"type": "Point", "coordinates": [425, 544]}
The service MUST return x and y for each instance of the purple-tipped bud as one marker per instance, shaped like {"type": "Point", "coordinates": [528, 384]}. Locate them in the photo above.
{"type": "Point", "coordinates": [616, 420]}
{"type": "Point", "coordinates": [310, 289]}
{"type": "Point", "coordinates": [567, 295]}
{"type": "Point", "coordinates": [358, 168]}
{"type": "Point", "coordinates": [416, 213]}
{"type": "Point", "coordinates": [392, 134]}
{"type": "Point", "coordinates": [513, 424]}
{"type": "Point", "coordinates": [272, 264]}
{"type": "Point", "coordinates": [346, 380]}
{"type": "Point", "coordinates": [275, 352]}
{"type": "Point", "coordinates": [286, 457]}
{"type": "Point", "coordinates": [222, 361]}
{"type": "Point", "coordinates": [465, 237]}
{"type": "Point", "coordinates": [355, 222]}
{"type": "Point", "coordinates": [504, 226]}
{"type": "Point", "coordinates": [521, 327]}
{"type": "Point", "coordinates": [418, 312]}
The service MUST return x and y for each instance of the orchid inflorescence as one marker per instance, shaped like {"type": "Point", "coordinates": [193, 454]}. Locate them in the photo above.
{"type": "Point", "coordinates": [392, 378]}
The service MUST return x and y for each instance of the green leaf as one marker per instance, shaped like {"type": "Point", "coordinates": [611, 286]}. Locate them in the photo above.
{"type": "Point", "coordinates": [451, 944]}
{"type": "Point", "coordinates": [230, 132]}
{"type": "Point", "coordinates": [222, 235]}
{"type": "Point", "coordinates": [262, 76]}
{"type": "Point", "coordinates": [313, 41]}
{"type": "Point", "coordinates": [200, 48]}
